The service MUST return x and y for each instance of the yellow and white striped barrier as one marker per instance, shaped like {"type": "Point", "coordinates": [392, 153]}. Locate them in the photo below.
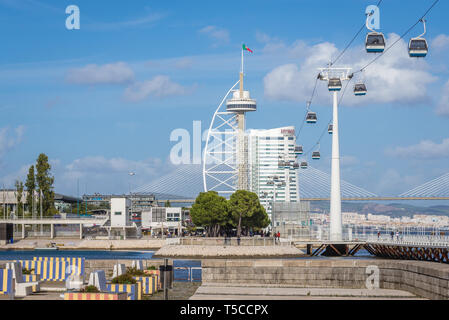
{"type": "Point", "coordinates": [134, 291]}
{"type": "Point", "coordinates": [94, 296]}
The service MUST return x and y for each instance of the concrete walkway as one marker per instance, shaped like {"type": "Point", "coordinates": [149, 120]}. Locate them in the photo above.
{"type": "Point", "coordinates": [198, 251]}
{"type": "Point", "coordinates": [218, 291]}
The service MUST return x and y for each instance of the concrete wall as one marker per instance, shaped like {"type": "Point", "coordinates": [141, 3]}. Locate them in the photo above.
{"type": "Point", "coordinates": [425, 279]}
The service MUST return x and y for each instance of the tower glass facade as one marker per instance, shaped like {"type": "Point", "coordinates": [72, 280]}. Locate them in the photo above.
{"type": "Point", "coordinates": [271, 155]}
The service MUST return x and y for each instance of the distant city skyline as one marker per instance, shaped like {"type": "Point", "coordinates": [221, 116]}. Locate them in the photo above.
{"type": "Point", "coordinates": [102, 101]}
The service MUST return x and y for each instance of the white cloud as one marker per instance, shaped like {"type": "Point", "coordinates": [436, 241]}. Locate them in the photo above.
{"type": "Point", "coordinates": [184, 63]}
{"type": "Point", "coordinates": [106, 175]}
{"type": "Point", "coordinates": [441, 42]}
{"type": "Point", "coordinates": [159, 86]}
{"type": "Point", "coordinates": [426, 149]}
{"type": "Point", "coordinates": [288, 82]}
{"type": "Point", "coordinates": [92, 74]}
{"type": "Point", "coordinates": [9, 179]}
{"type": "Point", "coordinates": [219, 35]}
{"type": "Point", "coordinates": [8, 141]}
{"type": "Point", "coordinates": [443, 104]}
{"type": "Point", "coordinates": [393, 78]}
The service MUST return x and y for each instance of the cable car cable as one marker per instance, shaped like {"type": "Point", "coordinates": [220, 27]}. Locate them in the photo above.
{"type": "Point", "coordinates": [330, 121]}
{"type": "Point", "coordinates": [352, 40]}
{"type": "Point", "coordinates": [402, 36]}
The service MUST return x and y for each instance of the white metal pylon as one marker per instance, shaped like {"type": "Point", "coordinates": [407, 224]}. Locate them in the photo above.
{"type": "Point", "coordinates": [327, 74]}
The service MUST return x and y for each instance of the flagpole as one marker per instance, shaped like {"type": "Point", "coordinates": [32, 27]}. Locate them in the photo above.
{"type": "Point", "coordinates": [242, 59]}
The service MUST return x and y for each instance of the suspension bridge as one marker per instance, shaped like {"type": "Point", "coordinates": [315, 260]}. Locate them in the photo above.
{"type": "Point", "coordinates": [186, 182]}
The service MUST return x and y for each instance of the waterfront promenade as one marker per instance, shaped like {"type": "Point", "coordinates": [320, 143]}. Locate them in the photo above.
{"type": "Point", "coordinates": [342, 277]}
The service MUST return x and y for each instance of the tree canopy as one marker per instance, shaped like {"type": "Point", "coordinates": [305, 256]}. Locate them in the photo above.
{"type": "Point", "coordinates": [30, 185]}
{"type": "Point", "coordinates": [247, 211]}
{"type": "Point", "coordinates": [210, 211]}
{"type": "Point", "coordinates": [215, 213]}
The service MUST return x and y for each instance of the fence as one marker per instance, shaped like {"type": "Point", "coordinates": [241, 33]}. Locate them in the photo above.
{"type": "Point", "coordinates": [187, 274]}
{"type": "Point", "coordinates": [418, 240]}
{"type": "Point", "coordinates": [222, 241]}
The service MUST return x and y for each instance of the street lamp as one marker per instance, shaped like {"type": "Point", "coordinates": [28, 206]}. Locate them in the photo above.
{"type": "Point", "coordinates": [131, 174]}
{"type": "Point", "coordinates": [276, 183]}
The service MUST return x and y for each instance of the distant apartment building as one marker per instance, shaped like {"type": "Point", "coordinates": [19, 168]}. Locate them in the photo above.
{"type": "Point", "coordinates": [353, 217]}
{"type": "Point", "coordinates": [379, 218]}
{"type": "Point", "coordinates": [9, 203]}
{"type": "Point", "coordinates": [139, 202]}
{"type": "Point", "coordinates": [271, 154]}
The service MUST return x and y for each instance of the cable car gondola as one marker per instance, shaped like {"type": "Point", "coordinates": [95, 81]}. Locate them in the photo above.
{"type": "Point", "coordinates": [330, 129]}
{"type": "Point", "coordinates": [311, 117]}
{"type": "Point", "coordinates": [299, 150]}
{"type": "Point", "coordinates": [375, 42]}
{"type": "Point", "coordinates": [360, 89]}
{"type": "Point", "coordinates": [316, 155]}
{"type": "Point", "coordinates": [417, 47]}
{"type": "Point", "coordinates": [296, 165]}
{"type": "Point", "coordinates": [304, 165]}
{"type": "Point", "coordinates": [334, 84]}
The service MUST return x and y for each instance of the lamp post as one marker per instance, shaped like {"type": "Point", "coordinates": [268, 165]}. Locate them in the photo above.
{"type": "Point", "coordinates": [131, 174]}
{"type": "Point", "coordinates": [276, 183]}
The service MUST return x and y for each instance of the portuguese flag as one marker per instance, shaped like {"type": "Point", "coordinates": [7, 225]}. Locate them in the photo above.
{"type": "Point", "coordinates": [246, 48]}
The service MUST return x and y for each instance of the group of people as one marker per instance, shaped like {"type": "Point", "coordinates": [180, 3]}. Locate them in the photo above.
{"type": "Point", "coordinates": [277, 236]}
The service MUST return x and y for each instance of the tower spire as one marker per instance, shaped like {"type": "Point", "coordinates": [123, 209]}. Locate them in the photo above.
{"type": "Point", "coordinates": [241, 77]}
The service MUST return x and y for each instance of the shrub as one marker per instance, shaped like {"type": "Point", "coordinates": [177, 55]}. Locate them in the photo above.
{"type": "Point", "coordinates": [135, 272]}
{"type": "Point", "coordinates": [90, 289]}
{"type": "Point", "coordinates": [152, 268]}
{"type": "Point", "coordinates": [124, 279]}
{"type": "Point", "coordinates": [27, 271]}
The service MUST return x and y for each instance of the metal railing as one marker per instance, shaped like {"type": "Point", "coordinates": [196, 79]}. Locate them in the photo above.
{"type": "Point", "coordinates": [189, 270]}
{"type": "Point", "coordinates": [233, 241]}
{"type": "Point", "coordinates": [418, 240]}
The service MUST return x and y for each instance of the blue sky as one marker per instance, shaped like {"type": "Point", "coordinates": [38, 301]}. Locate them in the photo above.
{"type": "Point", "coordinates": [102, 101]}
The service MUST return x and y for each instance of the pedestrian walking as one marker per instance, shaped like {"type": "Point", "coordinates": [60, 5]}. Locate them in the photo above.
{"type": "Point", "coordinates": [392, 235]}
{"type": "Point", "coordinates": [397, 235]}
{"type": "Point", "coordinates": [378, 235]}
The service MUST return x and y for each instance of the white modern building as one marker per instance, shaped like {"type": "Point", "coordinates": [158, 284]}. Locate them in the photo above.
{"type": "Point", "coordinates": [120, 224]}
{"type": "Point", "coordinates": [161, 219]}
{"type": "Point", "coordinates": [120, 212]}
{"type": "Point", "coordinates": [273, 165]}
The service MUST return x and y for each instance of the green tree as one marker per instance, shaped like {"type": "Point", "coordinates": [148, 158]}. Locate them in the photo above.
{"type": "Point", "coordinates": [243, 206]}
{"type": "Point", "coordinates": [259, 220]}
{"type": "Point", "coordinates": [30, 185]}
{"type": "Point", "coordinates": [167, 204]}
{"type": "Point", "coordinates": [45, 185]}
{"type": "Point", "coordinates": [210, 211]}
{"type": "Point", "coordinates": [19, 195]}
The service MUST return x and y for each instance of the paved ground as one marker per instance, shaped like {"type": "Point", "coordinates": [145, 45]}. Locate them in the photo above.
{"type": "Point", "coordinates": [199, 252]}
{"type": "Point", "coordinates": [226, 292]}
{"type": "Point", "coordinates": [53, 291]}
{"type": "Point", "coordinates": [180, 291]}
